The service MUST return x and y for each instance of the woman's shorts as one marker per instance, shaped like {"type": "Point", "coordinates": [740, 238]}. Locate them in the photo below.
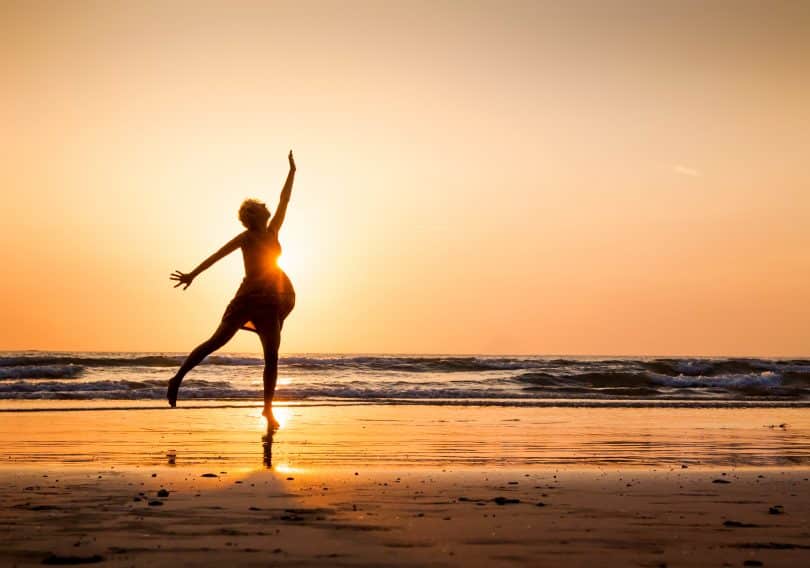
{"type": "Point", "coordinates": [252, 311]}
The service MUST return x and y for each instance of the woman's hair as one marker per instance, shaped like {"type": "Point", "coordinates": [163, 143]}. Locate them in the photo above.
{"type": "Point", "coordinates": [253, 213]}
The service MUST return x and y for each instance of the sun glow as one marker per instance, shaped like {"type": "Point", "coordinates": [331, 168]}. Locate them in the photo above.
{"type": "Point", "coordinates": [283, 415]}
{"type": "Point", "coordinates": [295, 262]}
{"type": "Point", "coordinates": [300, 258]}
{"type": "Point", "coordinates": [287, 468]}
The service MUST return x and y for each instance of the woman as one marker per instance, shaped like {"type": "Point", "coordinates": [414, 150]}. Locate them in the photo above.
{"type": "Point", "coordinates": [264, 299]}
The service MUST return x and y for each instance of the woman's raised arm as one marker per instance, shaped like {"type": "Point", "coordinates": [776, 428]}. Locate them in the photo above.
{"type": "Point", "coordinates": [281, 210]}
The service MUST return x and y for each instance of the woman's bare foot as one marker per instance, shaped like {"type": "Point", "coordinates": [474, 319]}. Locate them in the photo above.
{"type": "Point", "coordinates": [271, 420]}
{"type": "Point", "coordinates": [171, 392]}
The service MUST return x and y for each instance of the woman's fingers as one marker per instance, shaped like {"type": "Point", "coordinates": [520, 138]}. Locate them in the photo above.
{"type": "Point", "coordinates": [181, 278]}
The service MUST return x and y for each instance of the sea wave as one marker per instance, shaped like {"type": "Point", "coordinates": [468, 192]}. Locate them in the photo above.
{"type": "Point", "coordinates": [112, 361]}
{"type": "Point", "coordinates": [714, 367]}
{"type": "Point", "coordinates": [41, 372]}
{"type": "Point", "coordinates": [764, 380]}
{"type": "Point", "coordinates": [131, 376]}
{"type": "Point", "coordinates": [765, 386]}
{"type": "Point", "coordinates": [705, 367]}
{"type": "Point", "coordinates": [409, 364]}
{"type": "Point", "coordinates": [120, 389]}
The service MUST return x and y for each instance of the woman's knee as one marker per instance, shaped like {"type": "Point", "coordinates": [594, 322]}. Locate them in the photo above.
{"type": "Point", "coordinates": [221, 336]}
{"type": "Point", "coordinates": [270, 344]}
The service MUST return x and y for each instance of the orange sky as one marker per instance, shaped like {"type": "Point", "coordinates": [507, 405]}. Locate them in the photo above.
{"type": "Point", "coordinates": [570, 177]}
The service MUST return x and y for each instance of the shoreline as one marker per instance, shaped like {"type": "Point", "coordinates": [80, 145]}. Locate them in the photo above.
{"type": "Point", "coordinates": [415, 435]}
{"type": "Point", "coordinates": [77, 405]}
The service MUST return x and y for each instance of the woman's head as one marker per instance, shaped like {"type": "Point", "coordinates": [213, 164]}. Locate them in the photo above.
{"type": "Point", "coordinates": [254, 214]}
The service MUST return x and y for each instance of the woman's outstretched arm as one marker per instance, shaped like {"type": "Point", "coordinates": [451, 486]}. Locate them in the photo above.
{"type": "Point", "coordinates": [281, 210]}
{"type": "Point", "coordinates": [185, 279]}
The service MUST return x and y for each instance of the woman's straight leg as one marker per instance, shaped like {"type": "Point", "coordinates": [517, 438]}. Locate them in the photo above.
{"type": "Point", "coordinates": [270, 334]}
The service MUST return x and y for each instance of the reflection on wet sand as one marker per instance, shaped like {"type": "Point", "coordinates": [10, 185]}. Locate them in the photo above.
{"type": "Point", "coordinates": [267, 446]}
{"type": "Point", "coordinates": [404, 436]}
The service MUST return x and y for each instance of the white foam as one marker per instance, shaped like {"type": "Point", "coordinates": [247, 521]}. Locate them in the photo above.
{"type": "Point", "coordinates": [761, 380]}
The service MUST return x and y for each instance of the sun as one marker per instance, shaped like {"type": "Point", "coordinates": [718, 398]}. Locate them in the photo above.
{"type": "Point", "coordinates": [281, 262]}
{"type": "Point", "coordinates": [297, 259]}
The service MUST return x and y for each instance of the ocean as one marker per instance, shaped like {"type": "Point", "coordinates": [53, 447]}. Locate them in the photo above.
{"type": "Point", "coordinates": [414, 379]}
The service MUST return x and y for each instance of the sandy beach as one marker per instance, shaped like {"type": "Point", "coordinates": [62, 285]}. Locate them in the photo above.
{"type": "Point", "coordinates": [372, 485]}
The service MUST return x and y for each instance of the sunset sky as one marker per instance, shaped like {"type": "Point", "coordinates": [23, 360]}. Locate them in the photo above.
{"type": "Point", "coordinates": [473, 177]}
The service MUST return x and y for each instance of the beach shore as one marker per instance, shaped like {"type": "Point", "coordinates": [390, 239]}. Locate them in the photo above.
{"type": "Point", "coordinates": [372, 485]}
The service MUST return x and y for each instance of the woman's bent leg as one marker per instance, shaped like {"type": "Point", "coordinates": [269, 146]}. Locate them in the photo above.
{"type": "Point", "coordinates": [222, 335]}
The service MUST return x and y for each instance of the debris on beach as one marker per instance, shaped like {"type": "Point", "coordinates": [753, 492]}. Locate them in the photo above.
{"type": "Point", "coordinates": [505, 501]}
{"type": "Point", "coordinates": [58, 559]}
{"type": "Point", "coordinates": [738, 524]}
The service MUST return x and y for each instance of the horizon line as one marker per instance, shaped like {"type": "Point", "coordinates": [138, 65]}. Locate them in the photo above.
{"type": "Point", "coordinates": [425, 354]}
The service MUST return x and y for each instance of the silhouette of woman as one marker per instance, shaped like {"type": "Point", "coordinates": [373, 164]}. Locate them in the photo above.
{"type": "Point", "coordinates": [264, 299]}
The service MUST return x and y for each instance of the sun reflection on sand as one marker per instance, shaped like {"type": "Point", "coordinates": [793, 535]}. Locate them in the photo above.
{"type": "Point", "coordinates": [282, 414]}
{"type": "Point", "coordinates": [287, 468]}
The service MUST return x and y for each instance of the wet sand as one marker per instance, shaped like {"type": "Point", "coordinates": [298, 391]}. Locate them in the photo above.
{"type": "Point", "coordinates": [420, 486]}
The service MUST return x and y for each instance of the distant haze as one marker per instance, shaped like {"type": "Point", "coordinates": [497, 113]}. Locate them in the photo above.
{"type": "Point", "coordinates": [597, 177]}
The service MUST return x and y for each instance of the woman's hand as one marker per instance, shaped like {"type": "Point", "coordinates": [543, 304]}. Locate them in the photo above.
{"type": "Point", "coordinates": [292, 161]}
{"type": "Point", "coordinates": [181, 278]}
